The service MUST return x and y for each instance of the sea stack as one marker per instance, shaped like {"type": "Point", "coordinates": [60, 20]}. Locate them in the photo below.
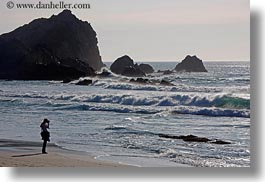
{"type": "Point", "coordinates": [120, 64]}
{"type": "Point", "coordinates": [191, 64]}
{"type": "Point", "coordinates": [125, 66]}
{"type": "Point", "coordinates": [146, 68]}
{"type": "Point", "coordinates": [56, 48]}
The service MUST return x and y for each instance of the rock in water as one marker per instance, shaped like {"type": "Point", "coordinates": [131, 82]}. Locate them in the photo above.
{"type": "Point", "coordinates": [146, 68]}
{"type": "Point", "coordinates": [133, 71]}
{"type": "Point", "coordinates": [191, 64]}
{"type": "Point", "coordinates": [125, 66]}
{"type": "Point", "coordinates": [166, 83]}
{"type": "Point", "coordinates": [141, 81]}
{"type": "Point", "coordinates": [220, 142]}
{"type": "Point", "coordinates": [120, 64]}
{"type": "Point", "coordinates": [193, 138]}
{"type": "Point", "coordinates": [84, 82]}
{"type": "Point", "coordinates": [167, 72]}
{"type": "Point", "coordinates": [104, 73]}
{"type": "Point", "coordinates": [59, 47]}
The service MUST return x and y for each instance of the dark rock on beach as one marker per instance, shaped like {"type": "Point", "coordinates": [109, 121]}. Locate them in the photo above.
{"type": "Point", "coordinates": [56, 48]}
{"type": "Point", "coordinates": [84, 82]}
{"type": "Point", "coordinates": [125, 66]}
{"type": "Point", "coordinates": [191, 64]}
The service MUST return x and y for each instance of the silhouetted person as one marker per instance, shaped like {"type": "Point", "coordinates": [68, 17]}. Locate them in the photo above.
{"type": "Point", "coordinates": [45, 134]}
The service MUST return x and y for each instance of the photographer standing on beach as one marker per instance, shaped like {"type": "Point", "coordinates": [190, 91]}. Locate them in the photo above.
{"type": "Point", "coordinates": [45, 134]}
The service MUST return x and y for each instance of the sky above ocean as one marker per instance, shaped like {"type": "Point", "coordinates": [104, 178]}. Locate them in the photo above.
{"type": "Point", "coordinates": [154, 30]}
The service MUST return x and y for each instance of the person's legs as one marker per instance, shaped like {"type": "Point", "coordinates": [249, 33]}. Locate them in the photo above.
{"type": "Point", "coordinates": [44, 147]}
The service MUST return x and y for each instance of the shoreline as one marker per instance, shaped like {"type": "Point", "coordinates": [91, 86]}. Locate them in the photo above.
{"type": "Point", "coordinates": [18, 153]}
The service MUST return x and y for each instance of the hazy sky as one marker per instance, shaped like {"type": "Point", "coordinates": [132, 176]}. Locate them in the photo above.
{"type": "Point", "coordinates": [154, 30]}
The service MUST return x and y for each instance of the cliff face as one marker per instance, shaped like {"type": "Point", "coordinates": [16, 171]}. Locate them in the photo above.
{"type": "Point", "coordinates": [55, 48]}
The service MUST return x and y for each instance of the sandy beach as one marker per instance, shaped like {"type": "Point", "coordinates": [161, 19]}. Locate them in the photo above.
{"type": "Point", "coordinates": [14, 153]}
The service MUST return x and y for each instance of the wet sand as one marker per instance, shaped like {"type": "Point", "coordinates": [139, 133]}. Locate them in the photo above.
{"type": "Point", "coordinates": [14, 153]}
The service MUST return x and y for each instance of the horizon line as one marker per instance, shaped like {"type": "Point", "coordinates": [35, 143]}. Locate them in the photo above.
{"type": "Point", "coordinates": [108, 61]}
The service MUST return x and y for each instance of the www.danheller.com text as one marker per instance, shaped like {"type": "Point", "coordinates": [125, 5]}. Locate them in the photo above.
{"type": "Point", "coordinates": [47, 5]}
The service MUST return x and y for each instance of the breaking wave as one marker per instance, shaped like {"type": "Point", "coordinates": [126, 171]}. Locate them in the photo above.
{"type": "Point", "coordinates": [209, 105]}
{"type": "Point", "coordinates": [213, 112]}
{"type": "Point", "coordinates": [181, 99]}
{"type": "Point", "coordinates": [219, 101]}
{"type": "Point", "coordinates": [119, 85]}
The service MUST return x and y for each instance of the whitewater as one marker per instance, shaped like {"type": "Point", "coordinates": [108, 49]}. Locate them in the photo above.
{"type": "Point", "coordinates": [117, 120]}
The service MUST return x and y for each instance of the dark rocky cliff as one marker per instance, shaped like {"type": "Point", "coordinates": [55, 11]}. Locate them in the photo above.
{"type": "Point", "coordinates": [55, 48]}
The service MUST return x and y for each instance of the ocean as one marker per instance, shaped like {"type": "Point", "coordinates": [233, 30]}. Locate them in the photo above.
{"type": "Point", "coordinates": [116, 120]}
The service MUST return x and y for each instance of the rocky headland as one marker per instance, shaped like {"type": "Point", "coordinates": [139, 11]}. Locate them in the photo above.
{"type": "Point", "coordinates": [56, 48]}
